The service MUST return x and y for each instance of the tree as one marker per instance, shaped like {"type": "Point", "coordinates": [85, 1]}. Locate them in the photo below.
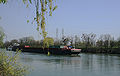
{"type": "Point", "coordinates": [43, 8]}
{"type": "Point", "coordinates": [7, 44]}
{"type": "Point", "coordinates": [77, 41]}
{"type": "Point", "coordinates": [48, 42]}
{"type": "Point", "coordinates": [14, 41]}
{"type": "Point", "coordinates": [9, 65]}
{"type": "Point", "coordinates": [88, 39]}
{"type": "Point", "coordinates": [99, 43]}
{"type": "Point", "coordinates": [2, 35]}
{"type": "Point", "coordinates": [57, 42]}
{"type": "Point", "coordinates": [26, 40]}
{"type": "Point", "coordinates": [3, 1]}
{"type": "Point", "coordinates": [112, 43]}
{"type": "Point", "coordinates": [107, 40]}
{"type": "Point", "coordinates": [71, 41]}
{"type": "Point", "coordinates": [118, 42]}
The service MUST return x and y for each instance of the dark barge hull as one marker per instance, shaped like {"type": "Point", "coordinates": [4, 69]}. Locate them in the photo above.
{"type": "Point", "coordinates": [54, 51]}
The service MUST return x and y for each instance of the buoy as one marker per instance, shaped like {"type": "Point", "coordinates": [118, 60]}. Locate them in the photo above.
{"type": "Point", "coordinates": [48, 53]}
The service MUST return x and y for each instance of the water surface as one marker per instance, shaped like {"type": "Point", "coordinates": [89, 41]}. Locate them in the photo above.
{"type": "Point", "coordinates": [85, 65]}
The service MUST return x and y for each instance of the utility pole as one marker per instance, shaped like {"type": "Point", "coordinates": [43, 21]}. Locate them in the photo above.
{"type": "Point", "coordinates": [56, 34]}
{"type": "Point", "coordinates": [62, 33]}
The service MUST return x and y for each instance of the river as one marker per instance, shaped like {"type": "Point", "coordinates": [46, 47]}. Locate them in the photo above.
{"type": "Point", "coordinates": [83, 65]}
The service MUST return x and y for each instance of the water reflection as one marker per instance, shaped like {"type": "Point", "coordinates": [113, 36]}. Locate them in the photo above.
{"type": "Point", "coordinates": [86, 64]}
{"type": "Point", "coordinates": [100, 62]}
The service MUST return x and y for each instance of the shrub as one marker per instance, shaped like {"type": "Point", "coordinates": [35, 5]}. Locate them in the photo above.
{"type": "Point", "coordinates": [9, 65]}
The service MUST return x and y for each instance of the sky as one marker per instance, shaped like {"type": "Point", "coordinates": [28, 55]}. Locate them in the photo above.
{"type": "Point", "coordinates": [74, 16]}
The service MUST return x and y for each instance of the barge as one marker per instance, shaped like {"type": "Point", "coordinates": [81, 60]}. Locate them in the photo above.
{"type": "Point", "coordinates": [55, 50]}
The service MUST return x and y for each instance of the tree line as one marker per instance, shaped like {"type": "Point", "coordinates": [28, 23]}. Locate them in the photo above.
{"type": "Point", "coordinates": [29, 41]}
{"type": "Point", "coordinates": [84, 41]}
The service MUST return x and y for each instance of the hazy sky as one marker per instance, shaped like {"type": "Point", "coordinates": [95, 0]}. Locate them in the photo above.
{"type": "Point", "coordinates": [75, 16]}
